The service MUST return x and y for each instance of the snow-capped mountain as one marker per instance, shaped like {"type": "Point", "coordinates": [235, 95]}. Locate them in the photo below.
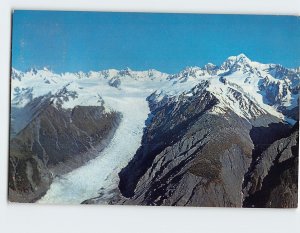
{"type": "Point", "coordinates": [172, 121]}
{"type": "Point", "coordinates": [248, 88]}
{"type": "Point", "coordinates": [205, 136]}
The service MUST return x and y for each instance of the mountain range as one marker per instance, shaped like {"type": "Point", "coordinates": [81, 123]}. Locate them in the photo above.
{"type": "Point", "coordinates": [207, 136]}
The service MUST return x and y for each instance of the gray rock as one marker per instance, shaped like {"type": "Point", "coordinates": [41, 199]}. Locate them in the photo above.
{"type": "Point", "coordinates": [192, 157]}
{"type": "Point", "coordinates": [273, 179]}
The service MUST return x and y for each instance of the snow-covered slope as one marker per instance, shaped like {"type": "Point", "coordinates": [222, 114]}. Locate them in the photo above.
{"type": "Point", "coordinates": [246, 87]}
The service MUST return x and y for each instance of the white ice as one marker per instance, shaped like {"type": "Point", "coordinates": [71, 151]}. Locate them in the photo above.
{"type": "Point", "coordinates": [101, 173]}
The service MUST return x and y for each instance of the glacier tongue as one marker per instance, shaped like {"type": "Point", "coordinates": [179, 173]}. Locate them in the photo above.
{"type": "Point", "coordinates": [100, 175]}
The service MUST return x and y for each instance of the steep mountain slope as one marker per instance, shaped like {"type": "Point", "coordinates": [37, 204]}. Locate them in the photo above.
{"type": "Point", "coordinates": [272, 180]}
{"type": "Point", "coordinates": [181, 151]}
{"type": "Point", "coordinates": [192, 156]}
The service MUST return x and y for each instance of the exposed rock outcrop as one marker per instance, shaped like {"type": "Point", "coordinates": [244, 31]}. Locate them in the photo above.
{"type": "Point", "coordinates": [273, 179]}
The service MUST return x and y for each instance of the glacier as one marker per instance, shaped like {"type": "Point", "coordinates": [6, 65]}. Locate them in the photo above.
{"type": "Point", "coordinates": [126, 91]}
{"type": "Point", "coordinates": [101, 173]}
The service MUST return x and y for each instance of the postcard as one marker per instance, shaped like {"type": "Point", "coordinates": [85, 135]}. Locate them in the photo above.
{"type": "Point", "coordinates": [155, 109]}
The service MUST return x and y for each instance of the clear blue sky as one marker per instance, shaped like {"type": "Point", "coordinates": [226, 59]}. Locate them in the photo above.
{"type": "Point", "coordinates": [74, 41]}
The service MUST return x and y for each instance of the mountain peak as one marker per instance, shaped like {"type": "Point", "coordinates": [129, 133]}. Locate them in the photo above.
{"type": "Point", "coordinates": [234, 62]}
{"type": "Point", "coordinates": [210, 66]}
{"type": "Point", "coordinates": [239, 58]}
{"type": "Point", "coordinates": [242, 55]}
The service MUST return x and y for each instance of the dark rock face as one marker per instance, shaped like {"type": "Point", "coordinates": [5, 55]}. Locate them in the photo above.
{"type": "Point", "coordinates": [115, 82]}
{"type": "Point", "coordinates": [291, 113]}
{"type": "Point", "coordinates": [193, 157]}
{"type": "Point", "coordinates": [162, 132]}
{"type": "Point", "coordinates": [54, 142]}
{"type": "Point", "coordinates": [198, 170]}
{"type": "Point", "coordinates": [273, 178]}
{"type": "Point", "coordinates": [189, 156]}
